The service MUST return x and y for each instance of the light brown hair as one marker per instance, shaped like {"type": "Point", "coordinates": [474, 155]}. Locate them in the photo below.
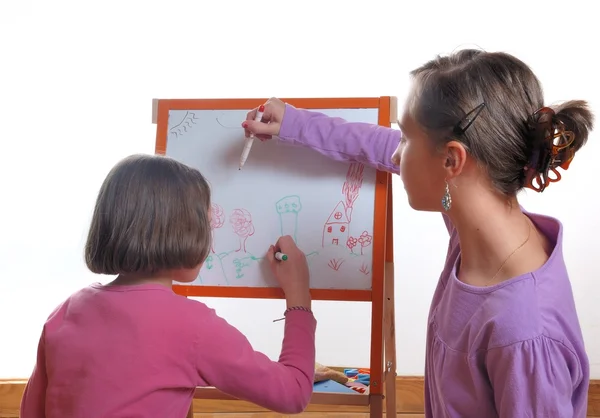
{"type": "Point", "coordinates": [501, 138]}
{"type": "Point", "coordinates": [152, 214]}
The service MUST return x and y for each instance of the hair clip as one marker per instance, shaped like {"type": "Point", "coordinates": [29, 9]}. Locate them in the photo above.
{"type": "Point", "coordinates": [469, 118]}
{"type": "Point", "coordinates": [552, 149]}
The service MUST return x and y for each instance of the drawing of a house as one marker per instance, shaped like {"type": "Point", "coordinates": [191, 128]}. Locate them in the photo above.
{"type": "Point", "coordinates": [336, 229]}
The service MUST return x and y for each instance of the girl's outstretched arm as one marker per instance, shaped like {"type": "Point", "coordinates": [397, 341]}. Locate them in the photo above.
{"type": "Point", "coordinates": [227, 361]}
{"type": "Point", "coordinates": [339, 139]}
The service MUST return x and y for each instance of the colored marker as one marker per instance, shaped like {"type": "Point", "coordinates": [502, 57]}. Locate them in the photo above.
{"type": "Point", "coordinates": [249, 141]}
{"type": "Point", "coordinates": [280, 256]}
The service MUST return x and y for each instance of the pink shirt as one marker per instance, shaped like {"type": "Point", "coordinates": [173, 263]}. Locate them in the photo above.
{"type": "Point", "coordinates": [140, 351]}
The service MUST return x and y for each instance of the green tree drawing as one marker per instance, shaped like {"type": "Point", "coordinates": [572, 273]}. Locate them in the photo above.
{"type": "Point", "coordinates": [288, 209]}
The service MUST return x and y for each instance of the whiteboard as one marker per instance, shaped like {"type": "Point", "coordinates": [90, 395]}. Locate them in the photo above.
{"type": "Point", "coordinates": [325, 205]}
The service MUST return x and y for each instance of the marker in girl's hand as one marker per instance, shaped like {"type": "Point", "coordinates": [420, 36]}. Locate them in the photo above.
{"type": "Point", "coordinates": [249, 141]}
{"type": "Point", "coordinates": [280, 256]}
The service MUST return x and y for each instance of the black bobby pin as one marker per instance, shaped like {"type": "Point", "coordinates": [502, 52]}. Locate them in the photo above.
{"type": "Point", "coordinates": [468, 120]}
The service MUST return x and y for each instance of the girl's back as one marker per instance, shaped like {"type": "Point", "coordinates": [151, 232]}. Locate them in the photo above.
{"type": "Point", "coordinates": [126, 351]}
{"type": "Point", "coordinates": [133, 348]}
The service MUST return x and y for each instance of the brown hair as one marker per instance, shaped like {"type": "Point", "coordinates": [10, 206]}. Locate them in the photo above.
{"type": "Point", "coordinates": [506, 94]}
{"type": "Point", "coordinates": [152, 214]}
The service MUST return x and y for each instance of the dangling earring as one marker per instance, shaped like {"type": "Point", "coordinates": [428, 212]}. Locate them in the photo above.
{"type": "Point", "coordinates": [447, 199]}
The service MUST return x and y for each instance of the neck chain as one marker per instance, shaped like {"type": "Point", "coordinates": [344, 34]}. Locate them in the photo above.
{"type": "Point", "coordinates": [515, 250]}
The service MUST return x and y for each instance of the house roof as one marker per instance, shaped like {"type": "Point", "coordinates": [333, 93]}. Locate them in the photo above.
{"type": "Point", "coordinates": [340, 207]}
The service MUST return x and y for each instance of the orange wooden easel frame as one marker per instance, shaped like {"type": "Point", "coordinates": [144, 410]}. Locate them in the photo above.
{"type": "Point", "coordinates": [381, 295]}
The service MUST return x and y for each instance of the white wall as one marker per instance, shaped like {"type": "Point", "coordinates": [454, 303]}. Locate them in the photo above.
{"type": "Point", "coordinates": [76, 83]}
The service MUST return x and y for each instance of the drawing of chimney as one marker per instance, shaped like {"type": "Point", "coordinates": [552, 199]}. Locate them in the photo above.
{"type": "Point", "coordinates": [351, 187]}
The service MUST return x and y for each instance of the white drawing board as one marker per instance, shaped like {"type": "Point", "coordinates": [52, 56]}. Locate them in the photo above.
{"type": "Point", "coordinates": [325, 205]}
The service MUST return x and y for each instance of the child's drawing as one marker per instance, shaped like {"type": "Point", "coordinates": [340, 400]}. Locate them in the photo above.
{"type": "Point", "coordinates": [364, 240]}
{"type": "Point", "coordinates": [352, 185]}
{"type": "Point", "coordinates": [217, 219]}
{"type": "Point", "coordinates": [337, 227]}
{"type": "Point", "coordinates": [364, 269]}
{"type": "Point", "coordinates": [340, 252]}
{"type": "Point", "coordinates": [325, 206]}
{"type": "Point", "coordinates": [184, 125]}
{"type": "Point", "coordinates": [241, 263]}
{"type": "Point", "coordinates": [351, 243]}
{"type": "Point", "coordinates": [220, 268]}
{"type": "Point", "coordinates": [288, 209]}
{"type": "Point", "coordinates": [335, 263]}
{"type": "Point", "coordinates": [212, 271]}
{"type": "Point", "coordinates": [241, 222]}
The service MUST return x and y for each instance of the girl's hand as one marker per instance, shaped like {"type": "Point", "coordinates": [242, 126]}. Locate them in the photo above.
{"type": "Point", "coordinates": [270, 124]}
{"type": "Point", "coordinates": [292, 274]}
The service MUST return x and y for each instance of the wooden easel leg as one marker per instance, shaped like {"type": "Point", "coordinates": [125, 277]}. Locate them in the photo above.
{"type": "Point", "coordinates": [376, 406]}
{"type": "Point", "coordinates": [389, 335]}
{"type": "Point", "coordinates": [190, 413]}
{"type": "Point", "coordinates": [389, 314]}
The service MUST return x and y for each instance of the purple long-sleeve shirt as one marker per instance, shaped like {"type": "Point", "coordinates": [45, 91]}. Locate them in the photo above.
{"type": "Point", "coordinates": [510, 350]}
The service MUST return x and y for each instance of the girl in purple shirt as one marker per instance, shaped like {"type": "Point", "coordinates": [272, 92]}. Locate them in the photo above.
{"type": "Point", "coordinates": [503, 335]}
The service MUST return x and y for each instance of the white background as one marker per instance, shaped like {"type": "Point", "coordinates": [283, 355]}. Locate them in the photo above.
{"type": "Point", "coordinates": [76, 83]}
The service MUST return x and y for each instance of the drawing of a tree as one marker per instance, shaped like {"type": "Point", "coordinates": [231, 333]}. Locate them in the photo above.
{"type": "Point", "coordinates": [351, 243]}
{"type": "Point", "coordinates": [364, 240]}
{"type": "Point", "coordinates": [217, 219]}
{"type": "Point", "coordinates": [288, 209]}
{"type": "Point", "coordinates": [241, 222]}
{"type": "Point", "coordinates": [352, 185]}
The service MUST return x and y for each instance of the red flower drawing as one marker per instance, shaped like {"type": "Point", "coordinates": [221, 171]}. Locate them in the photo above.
{"type": "Point", "coordinates": [241, 222]}
{"type": "Point", "coordinates": [351, 243]}
{"type": "Point", "coordinates": [217, 219]}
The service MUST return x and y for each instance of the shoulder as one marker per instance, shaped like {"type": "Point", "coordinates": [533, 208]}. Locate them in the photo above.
{"type": "Point", "coordinates": [526, 306]}
{"type": "Point", "coordinates": [539, 355]}
{"type": "Point", "coordinates": [534, 305]}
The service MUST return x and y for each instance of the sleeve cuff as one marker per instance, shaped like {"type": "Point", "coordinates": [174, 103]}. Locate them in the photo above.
{"type": "Point", "coordinates": [291, 125]}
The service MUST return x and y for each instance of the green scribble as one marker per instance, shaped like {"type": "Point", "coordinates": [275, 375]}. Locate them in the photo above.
{"type": "Point", "coordinates": [210, 264]}
{"type": "Point", "coordinates": [241, 263]}
{"type": "Point", "coordinates": [288, 209]}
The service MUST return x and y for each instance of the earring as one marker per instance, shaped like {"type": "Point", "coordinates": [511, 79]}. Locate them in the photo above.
{"type": "Point", "coordinates": [447, 199]}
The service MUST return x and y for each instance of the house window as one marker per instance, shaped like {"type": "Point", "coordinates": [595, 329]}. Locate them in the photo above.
{"type": "Point", "coordinates": [342, 228]}
{"type": "Point", "coordinates": [334, 241]}
{"type": "Point", "coordinates": [338, 215]}
{"type": "Point", "coordinates": [329, 229]}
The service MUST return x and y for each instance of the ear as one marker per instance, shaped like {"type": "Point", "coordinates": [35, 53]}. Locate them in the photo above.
{"type": "Point", "coordinates": [455, 158]}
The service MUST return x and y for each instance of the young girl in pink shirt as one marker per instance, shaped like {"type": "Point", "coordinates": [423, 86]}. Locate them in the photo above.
{"type": "Point", "coordinates": [133, 348]}
{"type": "Point", "coordinates": [503, 335]}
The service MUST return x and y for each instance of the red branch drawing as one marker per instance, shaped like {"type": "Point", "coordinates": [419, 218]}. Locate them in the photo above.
{"type": "Point", "coordinates": [217, 219]}
{"type": "Point", "coordinates": [241, 221]}
{"type": "Point", "coordinates": [365, 240]}
{"type": "Point", "coordinates": [352, 185]}
{"type": "Point", "coordinates": [335, 264]}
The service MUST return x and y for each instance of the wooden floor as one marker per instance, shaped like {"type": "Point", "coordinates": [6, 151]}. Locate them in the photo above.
{"type": "Point", "coordinates": [305, 415]}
